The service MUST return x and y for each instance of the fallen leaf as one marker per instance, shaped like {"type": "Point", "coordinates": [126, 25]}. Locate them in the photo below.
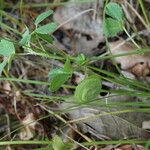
{"type": "Point", "coordinates": [130, 147]}
{"type": "Point", "coordinates": [29, 126]}
{"type": "Point", "coordinates": [138, 64]}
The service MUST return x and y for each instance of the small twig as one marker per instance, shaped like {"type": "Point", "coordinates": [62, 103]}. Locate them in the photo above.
{"type": "Point", "coordinates": [138, 15]}
{"type": "Point", "coordinates": [74, 17]}
{"type": "Point", "coordinates": [128, 39]}
{"type": "Point", "coordinates": [66, 122]}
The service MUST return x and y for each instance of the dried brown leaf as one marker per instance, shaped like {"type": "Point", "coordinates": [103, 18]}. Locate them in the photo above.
{"type": "Point", "coordinates": [138, 64]}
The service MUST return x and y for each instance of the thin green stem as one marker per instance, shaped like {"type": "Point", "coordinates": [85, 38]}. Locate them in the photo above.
{"type": "Point", "coordinates": [32, 82]}
{"type": "Point", "coordinates": [131, 38]}
{"type": "Point", "coordinates": [106, 39]}
{"type": "Point", "coordinates": [144, 11]}
{"type": "Point", "coordinates": [115, 142]}
{"type": "Point", "coordinates": [6, 27]}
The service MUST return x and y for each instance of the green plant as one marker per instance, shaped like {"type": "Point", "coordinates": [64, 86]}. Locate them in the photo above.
{"type": "Point", "coordinates": [40, 31]}
{"type": "Point", "coordinates": [114, 24]}
{"type": "Point", "coordinates": [7, 51]}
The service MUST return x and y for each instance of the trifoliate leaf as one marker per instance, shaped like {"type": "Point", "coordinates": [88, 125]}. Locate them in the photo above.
{"type": "Point", "coordinates": [59, 76]}
{"type": "Point", "coordinates": [48, 28]}
{"type": "Point", "coordinates": [114, 11]}
{"type": "Point", "coordinates": [43, 16]}
{"type": "Point", "coordinates": [88, 89]}
{"type": "Point", "coordinates": [111, 27]}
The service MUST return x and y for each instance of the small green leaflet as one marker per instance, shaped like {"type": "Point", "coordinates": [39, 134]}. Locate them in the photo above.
{"type": "Point", "coordinates": [43, 16]}
{"type": "Point", "coordinates": [2, 65]}
{"type": "Point", "coordinates": [25, 37]}
{"type": "Point", "coordinates": [114, 11]}
{"type": "Point", "coordinates": [88, 89]}
{"type": "Point", "coordinates": [46, 37]}
{"type": "Point", "coordinates": [48, 28]}
{"type": "Point", "coordinates": [113, 24]}
{"type": "Point", "coordinates": [67, 66]}
{"type": "Point", "coordinates": [58, 143]}
{"type": "Point", "coordinates": [7, 50]}
{"type": "Point", "coordinates": [80, 59]}
{"type": "Point", "coordinates": [111, 27]}
{"type": "Point", "coordinates": [59, 76]}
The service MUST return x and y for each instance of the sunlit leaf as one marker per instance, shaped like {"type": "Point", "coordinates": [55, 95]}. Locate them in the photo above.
{"type": "Point", "coordinates": [48, 28]}
{"type": "Point", "coordinates": [6, 48]}
{"type": "Point", "coordinates": [115, 11]}
{"type": "Point", "coordinates": [43, 16]}
{"type": "Point", "coordinates": [112, 27]}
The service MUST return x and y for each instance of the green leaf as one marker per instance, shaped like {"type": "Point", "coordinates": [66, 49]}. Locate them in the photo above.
{"type": "Point", "coordinates": [57, 78]}
{"type": "Point", "coordinates": [114, 11]}
{"type": "Point", "coordinates": [48, 28]}
{"type": "Point", "coordinates": [58, 144]}
{"type": "Point", "coordinates": [111, 27]}
{"type": "Point", "coordinates": [67, 66]}
{"type": "Point", "coordinates": [2, 65]}
{"type": "Point", "coordinates": [80, 59]}
{"type": "Point", "coordinates": [6, 48]}
{"type": "Point", "coordinates": [46, 37]}
{"type": "Point", "coordinates": [88, 89]}
{"type": "Point", "coordinates": [43, 16]}
{"type": "Point", "coordinates": [25, 37]}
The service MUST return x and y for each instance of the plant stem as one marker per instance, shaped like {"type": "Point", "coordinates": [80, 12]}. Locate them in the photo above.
{"type": "Point", "coordinates": [131, 38]}
{"type": "Point", "coordinates": [106, 39]}
{"type": "Point", "coordinates": [24, 142]}
{"type": "Point", "coordinates": [144, 12]}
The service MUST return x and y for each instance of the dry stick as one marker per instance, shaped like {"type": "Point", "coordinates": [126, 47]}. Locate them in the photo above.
{"type": "Point", "coordinates": [63, 120]}
{"type": "Point", "coordinates": [128, 39]}
{"type": "Point", "coordinates": [74, 17]}
{"type": "Point", "coordinates": [98, 116]}
{"type": "Point", "coordinates": [131, 38]}
{"type": "Point", "coordinates": [73, 140]}
{"type": "Point", "coordinates": [138, 15]}
{"type": "Point", "coordinates": [127, 13]}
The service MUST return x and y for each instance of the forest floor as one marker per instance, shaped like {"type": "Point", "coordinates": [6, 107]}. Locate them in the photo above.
{"type": "Point", "coordinates": [75, 75]}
